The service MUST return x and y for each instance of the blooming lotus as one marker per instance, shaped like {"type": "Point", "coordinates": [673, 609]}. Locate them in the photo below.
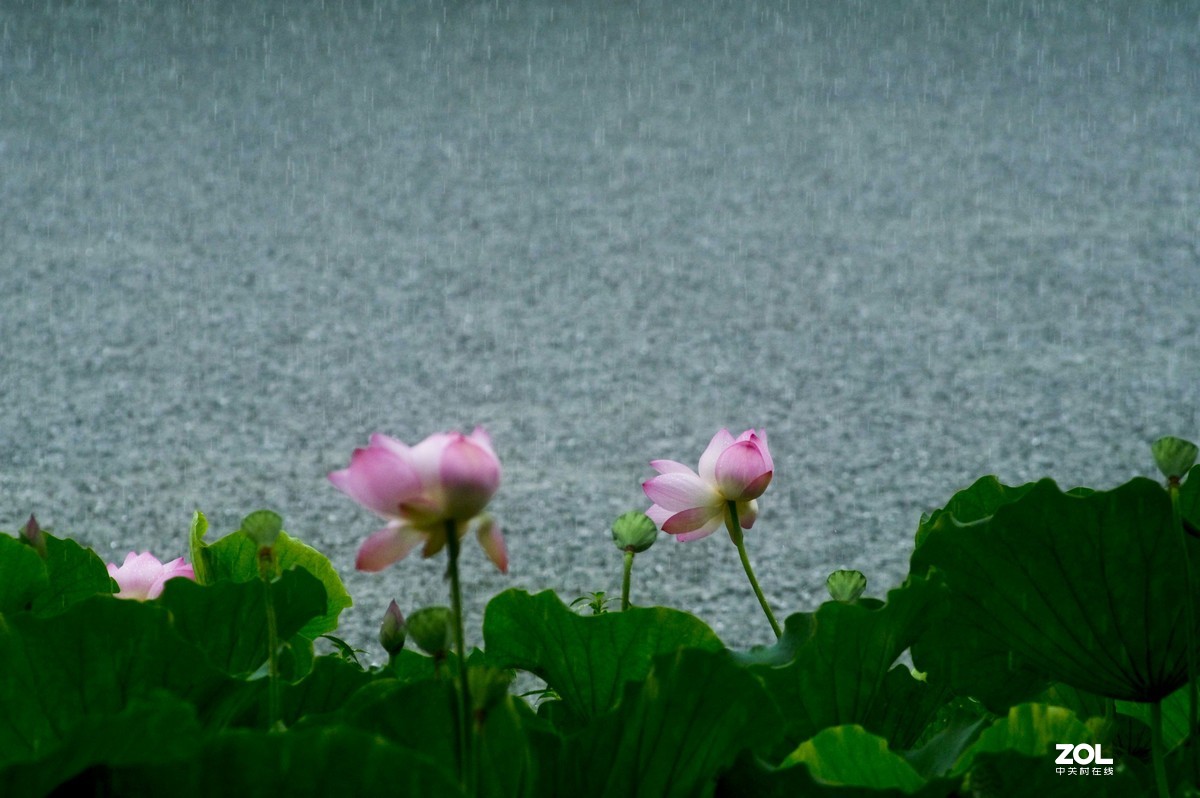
{"type": "Point", "coordinates": [692, 505]}
{"type": "Point", "coordinates": [142, 576]}
{"type": "Point", "coordinates": [420, 490]}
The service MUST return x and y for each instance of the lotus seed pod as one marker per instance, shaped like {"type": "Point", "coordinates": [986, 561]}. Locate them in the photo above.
{"type": "Point", "coordinates": [1174, 456]}
{"type": "Point", "coordinates": [431, 629]}
{"type": "Point", "coordinates": [634, 531]}
{"type": "Point", "coordinates": [846, 586]}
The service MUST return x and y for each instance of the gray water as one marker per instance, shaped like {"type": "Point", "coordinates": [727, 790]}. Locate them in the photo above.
{"type": "Point", "coordinates": [916, 242]}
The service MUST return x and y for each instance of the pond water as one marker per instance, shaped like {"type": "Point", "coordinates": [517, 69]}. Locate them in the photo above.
{"type": "Point", "coordinates": [917, 244]}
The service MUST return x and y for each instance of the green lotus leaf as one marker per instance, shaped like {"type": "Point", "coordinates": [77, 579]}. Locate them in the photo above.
{"type": "Point", "coordinates": [970, 659]}
{"type": "Point", "coordinates": [751, 778]}
{"type": "Point", "coordinates": [23, 575]}
{"type": "Point", "coordinates": [74, 574]}
{"type": "Point", "coordinates": [1085, 589]}
{"type": "Point", "coordinates": [91, 663]}
{"type": "Point", "coordinates": [1028, 729]}
{"type": "Point", "coordinates": [309, 763]}
{"type": "Point", "coordinates": [846, 671]}
{"type": "Point", "coordinates": [585, 659]}
{"type": "Point", "coordinates": [1174, 716]}
{"type": "Point", "coordinates": [154, 728]}
{"type": "Point", "coordinates": [852, 756]}
{"type": "Point", "coordinates": [979, 501]}
{"type": "Point", "coordinates": [228, 620]}
{"type": "Point", "coordinates": [419, 717]}
{"type": "Point", "coordinates": [1189, 499]}
{"type": "Point", "coordinates": [670, 736]}
{"type": "Point", "coordinates": [234, 558]}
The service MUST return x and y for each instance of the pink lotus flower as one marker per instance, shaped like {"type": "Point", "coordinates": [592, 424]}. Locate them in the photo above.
{"type": "Point", "coordinates": [691, 506]}
{"type": "Point", "coordinates": [141, 576]}
{"type": "Point", "coordinates": [446, 477]}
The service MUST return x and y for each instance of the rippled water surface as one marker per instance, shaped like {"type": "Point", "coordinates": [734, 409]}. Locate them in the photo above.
{"type": "Point", "coordinates": [915, 242]}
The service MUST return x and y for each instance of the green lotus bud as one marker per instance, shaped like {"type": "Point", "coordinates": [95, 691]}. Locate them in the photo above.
{"type": "Point", "coordinates": [634, 531]}
{"type": "Point", "coordinates": [489, 686]}
{"type": "Point", "coordinates": [1174, 456]}
{"type": "Point", "coordinates": [431, 629]}
{"type": "Point", "coordinates": [846, 586]}
{"type": "Point", "coordinates": [32, 535]}
{"type": "Point", "coordinates": [393, 630]}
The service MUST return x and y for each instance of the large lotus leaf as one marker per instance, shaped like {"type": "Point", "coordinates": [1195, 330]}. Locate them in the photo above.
{"type": "Point", "coordinates": [1174, 716]}
{"type": "Point", "coordinates": [586, 660]}
{"type": "Point", "coordinates": [228, 620]}
{"type": "Point", "coordinates": [154, 729]}
{"type": "Point", "coordinates": [1015, 756]}
{"type": "Point", "coordinates": [1028, 729]}
{"type": "Point", "coordinates": [853, 756]}
{"type": "Point", "coordinates": [670, 736]}
{"type": "Point", "coordinates": [422, 717]}
{"type": "Point", "coordinates": [846, 670]}
{"type": "Point", "coordinates": [1189, 498]}
{"type": "Point", "coordinates": [956, 726]}
{"type": "Point", "coordinates": [1123, 732]}
{"type": "Point", "coordinates": [971, 660]}
{"type": "Point", "coordinates": [317, 699]}
{"type": "Point", "coordinates": [22, 575]}
{"type": "Point", "coordinates": [981, 500]}
{"type": "Point", "coordinates": [751, 778]}
{"type": "Point", "coordinates": [91, 662]}
{"type": "Point", "coordinates": [1087, 590]}
{"type": "Point", "coordinates": [797, 630]}
{"type": "Point", "coordinates": [418, 717]}
{"type": "Point", "coordinates": [313, 763]}
{"type": "Point", "coordinates": [505, 761]}
{"type": "Point", "coordinates": [1005, 774]}
{"type": "Point", "coordinates": [234, 558]}
{"type": "Point", "coordinates": [411, 666]}
{"type": "Point", "coordinates": [74, 573]}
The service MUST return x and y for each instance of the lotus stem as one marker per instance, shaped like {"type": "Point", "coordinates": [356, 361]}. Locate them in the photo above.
{"type": "Point", "coordinates": [465, 760]}
{"type": "Point", "coordinates": [626, 580]}
{"type": "Point", "coordinates": [1190, 620]}
{"type": "Point", "coordinates": [273, 711]}
{"type": "Point", "coordinates": [266, 566]}
{"type": "Point", "coordinates": [1156, 749]}
{"type": "Point", "coordinates": [735, 534]}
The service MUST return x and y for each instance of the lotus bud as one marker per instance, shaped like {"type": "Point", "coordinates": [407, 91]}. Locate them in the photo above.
{"type": "Point", "coordinates": [846, 586]}
{"type": "Point", "coordinates": [393, 630]}
{"type": "Point", "coordinates": [431, 629]}
{"type": "Point", "coordinates": [634, 531]}
{"type": "Point", "coordinates": [1174, 456]}
{"type": "Point", "coordinates": [32, 534]}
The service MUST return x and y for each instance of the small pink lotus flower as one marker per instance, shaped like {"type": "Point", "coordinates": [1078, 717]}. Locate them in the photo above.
{"type": "Point", "coordinates": [141, 576]}
{"type": "Point", "coordinates": [446, 477]}
{"type": "Point", "coordinates": [691, 506]}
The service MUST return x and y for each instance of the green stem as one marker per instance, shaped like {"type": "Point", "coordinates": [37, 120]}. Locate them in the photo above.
{"type": "Point", "coordinates": [628, 577]}
{"type": "Point", "coordinates": [266, 572]}
{"type": "Point", "coordinates": [1156, 749]}
{"type": "Point", "coordinates": [735, 534]}
{"type": "Point", "coordinates": [273, 687]}
{"type": "Point", "coordinates": [1190, 619]}
{"type": "Point", "coordinates": [465, 760]}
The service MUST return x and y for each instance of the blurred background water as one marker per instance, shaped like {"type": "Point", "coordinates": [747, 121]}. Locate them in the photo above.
{"type": "Point", "coordinates": [916, 242]}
